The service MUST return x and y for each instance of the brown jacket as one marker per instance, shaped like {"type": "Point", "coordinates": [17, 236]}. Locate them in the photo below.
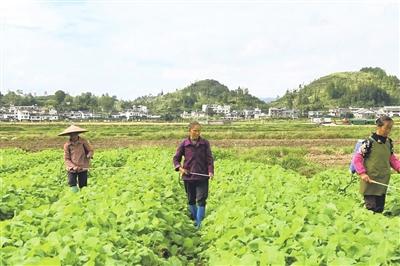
{"type": "Point", "coordinates": [77, 155]}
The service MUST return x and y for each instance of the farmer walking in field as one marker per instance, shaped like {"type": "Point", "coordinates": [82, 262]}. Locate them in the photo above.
{"type": "Point", "coordinates": [373, 162]}
{"type": "Point", "coordinates": [197, 169]}
{"type": "Point", "coordinates": [77, 155]}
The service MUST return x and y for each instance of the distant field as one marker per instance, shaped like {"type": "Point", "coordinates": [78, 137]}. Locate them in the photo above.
{"type": "Point", "coordinates": [170, 131]}
{"type": "Point", "coordinates": [274, 142]}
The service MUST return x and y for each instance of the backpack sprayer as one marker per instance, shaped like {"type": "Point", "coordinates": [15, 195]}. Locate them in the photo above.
{"type": "Point", "coordinates": [353, 171]}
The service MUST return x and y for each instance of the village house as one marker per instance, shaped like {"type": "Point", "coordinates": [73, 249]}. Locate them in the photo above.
{"type": "Point", "coordinates": [193, 115]}
{"type": "Point", "coordinates": [364, 114]}
{"type": "Point", "coordinates": [391, 110]}
{"type": "Point", "coordinates": [339, 112]}
{"type": "Point", "coordinates": [283, 113]}
{"type": "Point", "coordinates": [312, 114]}
{"type": "Point", "coordinates": [216, 108]}
{"type": "Point", "coordinates": [28, 113]}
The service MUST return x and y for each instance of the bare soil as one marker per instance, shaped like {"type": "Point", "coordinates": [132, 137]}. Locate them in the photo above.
{"type": "Point", "coordinates": [314, 146]}
{"type": "Point", "coordinates": [112, 143]}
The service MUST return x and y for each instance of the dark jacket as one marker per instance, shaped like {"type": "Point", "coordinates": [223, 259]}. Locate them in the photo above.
{"type": "Point", "coordinates": [198, 158]}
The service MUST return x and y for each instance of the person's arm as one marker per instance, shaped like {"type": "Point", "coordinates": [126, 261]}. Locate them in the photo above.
{"type": "Point", "coordinates": [67, 159]}
{"type": "Point", "coordinates": [394, 163]}
{"type": "Point", "coordinates": [178, 158]}
{"type": "Point", "coordinates": [89, 149]}
{"type": "Point", "coordinates": [358, 162]}
{"type": "Point", "coordinates": [210, 161]}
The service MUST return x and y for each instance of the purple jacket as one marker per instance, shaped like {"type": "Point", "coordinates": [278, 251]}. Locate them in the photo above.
{"type": "Point", "coordinates": [198, 158]}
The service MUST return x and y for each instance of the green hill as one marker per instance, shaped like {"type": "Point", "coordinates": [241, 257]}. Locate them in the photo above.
{"type": "Point", "coordinates": [196, 94]}
{"type": "Point", "coordinates": [365, 88]}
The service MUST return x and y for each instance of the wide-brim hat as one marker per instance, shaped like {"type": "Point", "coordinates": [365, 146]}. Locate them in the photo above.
{"type": "Point", "coordinates": [72, 129]}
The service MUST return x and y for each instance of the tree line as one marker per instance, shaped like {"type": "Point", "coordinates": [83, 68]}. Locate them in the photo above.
{"type": "Point", "coordinates": [62, 101]}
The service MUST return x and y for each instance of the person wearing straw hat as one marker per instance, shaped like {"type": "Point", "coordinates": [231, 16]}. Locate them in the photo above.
{"type": "Point", "coordinates": [77, 155]}
{"type": "Point", "coordinates": [197, 169]}
{"type": "Point", "coordinates": [373, 162]}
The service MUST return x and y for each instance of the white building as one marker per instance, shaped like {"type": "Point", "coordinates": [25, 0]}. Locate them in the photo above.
{"type": "Point", "coordinates": [43, 117]}
{"type": "Point", "coordinates": [140, 109]}
{"type": "Point", "coordinates": [275, 112]}
{"type": "Point", "coordinates": [223, 109]}
{"type": "Point", "coordinates": [53, 117]}
{"type": "Point", "coordinates": [321, 120]}
{"type": "Point", "coordinates": [154, 116]}
{"type": "Point", "coordinates": [23, 115]}
{"type": "Point", "coordinates": [117, 116]}
{"type": "Point", "coordinates": [72, 115]}
{"type": "Point", "coordinates": [130, 114]}
{"type": "Point", "coordinates": [260, 116]}
{"type": "Point", "coordinates": [364, 114]}
{"type": "Point", "coordinates": [29, 113]}
{"type": "Point", "coordinates": [53, 112]}
{"type": "Point", "coordinates": [15, 109]}
{"type": "Point", "coordinates": [216, 108]}
{"type": "Point", "coordinates": [283, 113]}
{"type": "Point", "coordinates": [338, 112]}
{"type": "Point", "coordinates": [312, 114]}
{"type": "Point", "coordinates": [8, 116]}
{"type": "Point", "coordinates": [291, 113]}
{"type": "Point", "coordinates": [355, 109]}
{"type": "Point", "coordinates": [234, 115]}
{"type": "Point", "coordinates": [391, 110]}
{"type": "Point", "coordinates": [192, 115]}
{"type": "Point", "coordinates": [78, 115]}
{"type": "Point", "coordinates": [248, 113]}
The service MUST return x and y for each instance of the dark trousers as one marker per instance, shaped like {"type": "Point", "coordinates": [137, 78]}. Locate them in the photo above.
{"type": "Point", "coordinates": [197, 190]}
{"type": "Point", "coordinates": [375, 203]}
{"type": "Point", "coordinates": [82, 179]}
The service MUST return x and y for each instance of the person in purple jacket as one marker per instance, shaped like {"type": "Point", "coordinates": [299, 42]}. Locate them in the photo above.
{"type": "Point", "coordinates": [197, 169]}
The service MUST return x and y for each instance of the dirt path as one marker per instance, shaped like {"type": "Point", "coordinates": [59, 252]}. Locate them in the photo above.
{"type": "Point", "coordinates": [314, 146]}
{"type": "Point", "coordinates": [57, 143]}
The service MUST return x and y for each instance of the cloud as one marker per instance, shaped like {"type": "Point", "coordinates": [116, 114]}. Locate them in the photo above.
{"type": "Point", "coordinates": [135, 48]}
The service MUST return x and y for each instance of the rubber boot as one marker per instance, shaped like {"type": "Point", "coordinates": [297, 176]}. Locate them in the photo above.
{"type": "Point", "coordinates": [193, 211]}
{"type": "Point", "coordinates": [74, 189]}
{"type": "Point", "coordinates": [201, 211]}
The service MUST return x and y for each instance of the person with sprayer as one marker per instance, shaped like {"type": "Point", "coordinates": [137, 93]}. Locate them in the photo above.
{"type": "Point", "coordinates": [77, 155]}
{"type": "Point", "coordinates": [373, 162]}
{"type": "Point", "coordinates": [197, 169]}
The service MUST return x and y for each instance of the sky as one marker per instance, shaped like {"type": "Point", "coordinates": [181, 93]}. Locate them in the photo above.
{"type": "Point", "coordinates": [135, 48]}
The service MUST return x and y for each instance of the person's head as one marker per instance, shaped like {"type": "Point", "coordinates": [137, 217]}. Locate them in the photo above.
{"type": "Point", "coordinates": [73, 136]}
{"type": "Point", "coordinates": [384, 125]}
{"type": "Point", "coordinates": [194, 130]}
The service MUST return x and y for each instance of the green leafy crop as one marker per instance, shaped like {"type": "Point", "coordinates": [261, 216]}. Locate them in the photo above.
{"type": "Point", "coordinates": [134, 213]}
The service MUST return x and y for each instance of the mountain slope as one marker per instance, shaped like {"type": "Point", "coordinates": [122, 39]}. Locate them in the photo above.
{"type": "Point", "coordinates": [365, 88]}
{"type": "Point", "coordinates": [196, 94]}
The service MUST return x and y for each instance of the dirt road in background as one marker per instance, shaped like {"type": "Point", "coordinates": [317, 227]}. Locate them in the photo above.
{"type": "Point", "coordinates": [314, 147]}
{"type": "Point", "coordinates": [112, 143]}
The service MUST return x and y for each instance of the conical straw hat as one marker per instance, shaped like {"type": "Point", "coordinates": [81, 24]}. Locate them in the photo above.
{"type": "Point", "coordinates": [72, 129]}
